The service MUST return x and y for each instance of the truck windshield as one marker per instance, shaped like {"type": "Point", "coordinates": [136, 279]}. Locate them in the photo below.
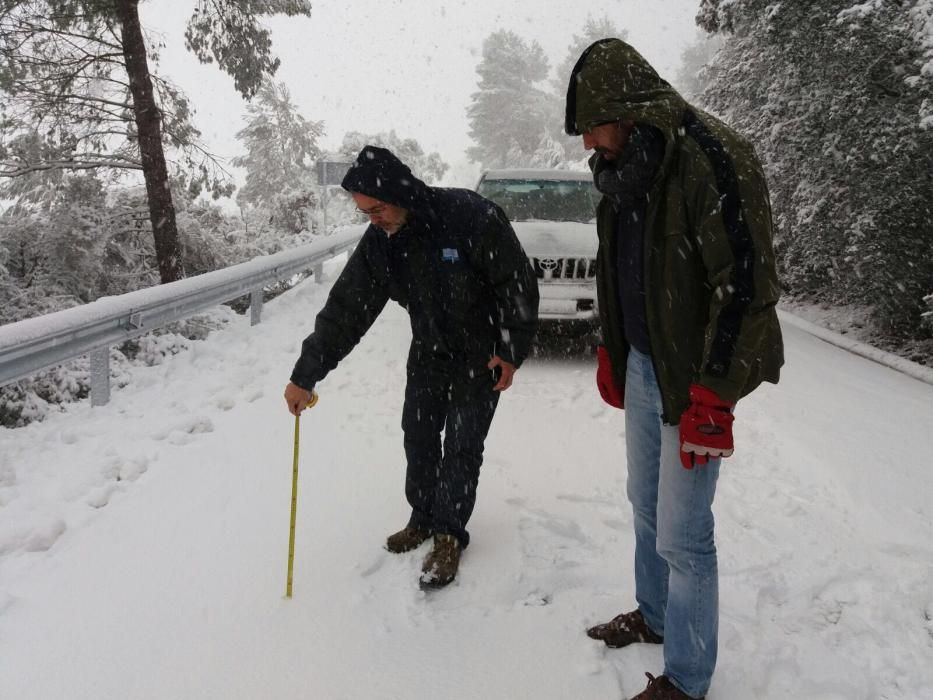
{"type": "Point", "coordinates": [543, 200]}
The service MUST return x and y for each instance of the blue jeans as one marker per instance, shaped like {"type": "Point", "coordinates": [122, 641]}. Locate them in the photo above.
{"type": "Point", "coordinates": [676, 574]}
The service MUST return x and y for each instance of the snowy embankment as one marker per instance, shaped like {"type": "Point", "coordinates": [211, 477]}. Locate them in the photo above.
{"type": "Point", "coordinates": [143, 544]}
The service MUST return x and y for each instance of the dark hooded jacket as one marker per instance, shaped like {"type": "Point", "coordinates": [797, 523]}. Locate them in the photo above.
{"type": "Point", "coordinates": [709, 268]}
{"type": "Point", "coordinates": [456, 266]}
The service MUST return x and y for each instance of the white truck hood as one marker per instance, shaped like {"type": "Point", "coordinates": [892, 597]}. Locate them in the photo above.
{"type": "Point", "coordinates": [557, 239]}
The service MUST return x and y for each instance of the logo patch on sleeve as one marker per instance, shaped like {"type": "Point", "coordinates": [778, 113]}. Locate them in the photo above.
{"type": "Point", "coordinates": [450, 255]}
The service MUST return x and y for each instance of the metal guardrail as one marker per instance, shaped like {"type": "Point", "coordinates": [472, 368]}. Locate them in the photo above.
{"type": "Point", "coordinates": [37, 343]}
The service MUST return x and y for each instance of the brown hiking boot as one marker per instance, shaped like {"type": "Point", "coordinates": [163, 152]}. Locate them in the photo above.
{"type": "Point", "coordinates": [622, 630]}
{"type": "Point", "coordinates": [440, 566]}
{"type": "Point", "coordinates": [661, 688]}
{"type": "Point", "coordinates": [406, 539]}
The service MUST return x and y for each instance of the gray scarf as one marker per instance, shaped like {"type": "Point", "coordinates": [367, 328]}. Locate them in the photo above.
{"type": "Point", "coordinates": [627, 179]}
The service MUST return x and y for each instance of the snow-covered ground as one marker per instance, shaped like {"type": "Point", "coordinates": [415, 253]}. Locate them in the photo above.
{"type": "Point", "coordinates": [143, 544]}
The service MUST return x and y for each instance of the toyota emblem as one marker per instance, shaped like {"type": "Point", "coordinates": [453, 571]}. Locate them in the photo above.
{"type": "Point", "coordinates": [548, 263]}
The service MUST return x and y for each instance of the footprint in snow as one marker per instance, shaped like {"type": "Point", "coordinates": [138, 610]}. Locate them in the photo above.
{"type": "Point", "coordinates": [254, 394]}
{"type": "Point", "coordinates": [536, 599]}
{"type": "Point", "coordinates": [562, 527]}
{"type": "Point", "coordinates": [596, 500]}
{"type": "Point", "coordinates": [42, 538]}
{"type": "Point", "coordinates": [617, 524]}
{"type": "Point", "coordinates": [373, 566]}
{"type": "Point", "coordinates": [178, 433]}
{"type": "Point", "coordinates": [100, 497]}
{"type": "Point", "coordinates": [224, 403]}
{"type": "Point", "coordinates": [120, 469]}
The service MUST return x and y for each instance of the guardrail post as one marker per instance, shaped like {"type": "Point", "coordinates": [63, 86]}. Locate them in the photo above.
{"type": "Point", "coordinates": [100, 376]}
{"type": "Point", "coordinates": [255, 306]}
{"type": "Point", "coordinates": [319, 273]}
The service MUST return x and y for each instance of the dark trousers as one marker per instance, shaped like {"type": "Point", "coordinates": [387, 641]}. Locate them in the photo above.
{"type": "Point", "coordinates": [441, 485]}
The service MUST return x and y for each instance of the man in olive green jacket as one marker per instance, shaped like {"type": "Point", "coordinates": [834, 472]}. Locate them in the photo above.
{"type": "Point", "coordinates": [687, 292]}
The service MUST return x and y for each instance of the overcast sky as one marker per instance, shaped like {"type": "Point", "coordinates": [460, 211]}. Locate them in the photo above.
{"type": "Point", "coordinates": [375, 65]}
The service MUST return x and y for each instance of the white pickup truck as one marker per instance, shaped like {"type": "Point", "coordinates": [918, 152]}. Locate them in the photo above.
{"type": "Point", "coordinates": [553, 213]}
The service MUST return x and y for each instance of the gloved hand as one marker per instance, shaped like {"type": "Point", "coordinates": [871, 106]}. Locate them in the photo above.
{"type": "Point", "coordinates": [705, 428]}
{"type": "Point", "coordinates": [612, 393]}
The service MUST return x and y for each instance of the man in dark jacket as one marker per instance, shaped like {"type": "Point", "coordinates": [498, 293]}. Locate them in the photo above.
{"type": "Point", "coordinates": [687, 291]}
{"type": "Point", "coordinates": [451, 259]}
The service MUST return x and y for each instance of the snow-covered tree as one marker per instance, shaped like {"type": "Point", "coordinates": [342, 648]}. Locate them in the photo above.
{"type": "Point", "coordinates": [571, 149]}
{"type": "Point", "coordinates": [594, 29]}
{"type": "Point", "coordinates": [837, 96]}
{"type": "Point", "coordinates": [281, 148]}
{"type": "Point", "coordinates": [54, 254]}
{"type": "Point", "coordinates": [79, 94]}
{"type": "Point", "coordinates": [91, 242]}
{"type": "Point", "coordinates": [88, 241]}
{"type": "Point", "coordinates": [509, 114]}
{"type": "Point", "coordinates": [537, 138]}
{"type": "Point", "coordinates": [692, 76]}
{"type": "Point", "coordinates": [429, 167]}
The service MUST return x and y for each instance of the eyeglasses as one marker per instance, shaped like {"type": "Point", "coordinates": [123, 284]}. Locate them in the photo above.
{"type": "Point", "coordinates": [372, 211]}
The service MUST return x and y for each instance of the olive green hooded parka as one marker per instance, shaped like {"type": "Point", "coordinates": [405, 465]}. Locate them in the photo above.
{"type": "Point", "coordinates": [710, 279]}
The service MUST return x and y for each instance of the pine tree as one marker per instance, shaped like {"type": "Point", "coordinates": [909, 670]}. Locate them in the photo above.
{"type": "Point", "coordinates": [281, 148]}
{"type": "Point", "coordinates": [533, 135]}
{"type": "Point", "coordinates": [508, 113]}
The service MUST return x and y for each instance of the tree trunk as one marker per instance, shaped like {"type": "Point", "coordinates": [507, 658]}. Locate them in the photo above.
{"type": "Point", "coordinates": [149, 126]}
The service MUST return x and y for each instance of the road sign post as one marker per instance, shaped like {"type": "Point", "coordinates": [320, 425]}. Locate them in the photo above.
{"type": "Point", "coordinates": [329, 173]}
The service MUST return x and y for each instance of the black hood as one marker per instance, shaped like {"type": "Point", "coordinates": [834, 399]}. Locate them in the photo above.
{"type": "Point", "coordinates": [377, 173]}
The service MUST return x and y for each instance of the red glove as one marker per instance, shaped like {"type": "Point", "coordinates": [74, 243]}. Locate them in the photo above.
{"type": "Point", "coordinates": [705, 428]}
{"type": "Point", "coordinates": [609, 389]}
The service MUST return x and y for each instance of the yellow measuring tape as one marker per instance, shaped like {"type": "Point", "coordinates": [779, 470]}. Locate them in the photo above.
{"type": "Point", "coordinates": [291, 530]}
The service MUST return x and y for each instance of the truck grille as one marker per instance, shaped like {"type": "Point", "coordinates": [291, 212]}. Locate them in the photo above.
{"type": "Point", "coordinates": [568, 269]}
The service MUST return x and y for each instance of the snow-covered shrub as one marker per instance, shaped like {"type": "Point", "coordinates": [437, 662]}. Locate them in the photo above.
{"type": "Point", "coordinates": [33, 399]}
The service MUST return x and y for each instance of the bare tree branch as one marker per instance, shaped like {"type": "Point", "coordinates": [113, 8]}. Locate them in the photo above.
{"type": "Point", "coordinates": [10, 171]}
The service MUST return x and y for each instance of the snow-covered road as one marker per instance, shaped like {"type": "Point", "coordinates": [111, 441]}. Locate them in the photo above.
{"type": "Point", "coordinates": [143, 544]}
